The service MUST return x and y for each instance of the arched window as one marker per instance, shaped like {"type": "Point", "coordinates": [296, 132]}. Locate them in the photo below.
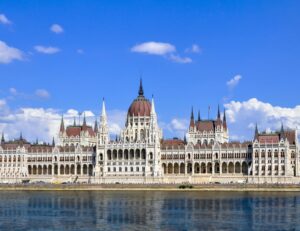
{"type": "Point", "coordinates": [269, 154]}
{"type": "Point", "coordinates": [151, 156]}
{"type": "Point", "coordinates": [109, 154]}
{"type": "Point", "coordinates": [142, 134]}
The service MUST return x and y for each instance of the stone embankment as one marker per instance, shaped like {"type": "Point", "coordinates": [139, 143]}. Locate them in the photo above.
{"type": "Point", "coordinates": [154, 187]}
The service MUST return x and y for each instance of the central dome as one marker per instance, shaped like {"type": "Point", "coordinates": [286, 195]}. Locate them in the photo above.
{"type": "Point", "coordinates": [140, 106]}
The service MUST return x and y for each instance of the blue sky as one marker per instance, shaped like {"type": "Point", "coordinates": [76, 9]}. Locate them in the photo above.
{"type": "Point", "coordinates": [101, 48]}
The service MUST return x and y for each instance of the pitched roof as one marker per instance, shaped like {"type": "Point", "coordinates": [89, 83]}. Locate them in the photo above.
{"type": "Point", "coordinates": [271, 138]}
{"type": "Point", "coordinates": [76, 130]}
{"type": "Point", "coordinates": [172, 143]}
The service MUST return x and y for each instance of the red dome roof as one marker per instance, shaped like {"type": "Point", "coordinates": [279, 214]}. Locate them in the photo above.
{"type": "Point", "coordinates": [140, 106]}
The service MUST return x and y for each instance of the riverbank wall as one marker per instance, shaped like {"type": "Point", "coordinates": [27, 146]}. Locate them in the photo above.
{"type": "Point", "coordinates": [153, 187]}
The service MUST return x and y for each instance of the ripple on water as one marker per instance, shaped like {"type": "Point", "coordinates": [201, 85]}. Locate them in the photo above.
{"type": "Point", "coordinates": [114, 210]}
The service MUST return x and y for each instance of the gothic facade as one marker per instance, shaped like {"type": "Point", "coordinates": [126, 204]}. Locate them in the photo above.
{"type": "Point", "coordinates": [140, 155]}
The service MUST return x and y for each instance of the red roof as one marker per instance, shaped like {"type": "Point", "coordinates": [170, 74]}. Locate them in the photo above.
{"type": "Point", "coordinates": [140, 106]}
{"type": "Point", "coordinates": [269, 139]}
{"type": "Point", "coordinates": [173, 143]}
{"type": "Point", "coordinates": [275, 137]}
{"type": "Point", "coordinates": [76, 130]}
{"type": "Point", "coordinates": [205, 125]}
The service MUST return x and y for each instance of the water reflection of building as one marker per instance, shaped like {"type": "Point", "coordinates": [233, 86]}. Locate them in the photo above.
{"type": "Point", "coordinates": [149, 211]}
{"type": "Point", "coordinates": [139, 154]}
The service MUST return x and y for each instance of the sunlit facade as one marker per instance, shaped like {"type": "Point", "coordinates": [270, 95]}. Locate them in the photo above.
{"type": "Point", "coordinates": [140, 155]}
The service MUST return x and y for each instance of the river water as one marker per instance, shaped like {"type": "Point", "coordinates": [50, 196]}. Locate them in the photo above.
{"type": "Point", "coordinates": [115, 210]}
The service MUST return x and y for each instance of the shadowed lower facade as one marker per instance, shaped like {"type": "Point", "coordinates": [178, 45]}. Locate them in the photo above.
{"type": "Point", "coordinates": [140, 155]}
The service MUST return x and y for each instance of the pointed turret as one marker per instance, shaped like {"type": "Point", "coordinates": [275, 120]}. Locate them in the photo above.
{"type": "Point", "coordinates": [141, 90]}
{"type": "Point", "coordinates": [96, 127]}
{"type": "Point", "coordinates": [224, 120]}
{"type": "Point", "coordinates": [199, 117]}
{"type": "Point", "coordinates": [74, 123]}
{"type": "Point", "coordinates": [53, 142]}
{"type": "Point", "coordinates": [2, 138]}
{"type": "Point", "coordinates": [84, 120]}
{"type": "Point", "coordinates": [153, 106]}
{"type": "Point", "coordinates": [62, 124]}
{"type": "Point", "coordinates": [103, 116]}
{"type": "Point", "coordinates": [282, 133]}
{"type": "Point", "coordinates": [256, 134]}
{"type": "Point", "coordinates": [103, 128]}
{"type": "Point", "coordinates": [21, 136]}
{"type": "Point", "coordinates": [192, 121]}
{"type": "Point", "coordinates": [219, 114]}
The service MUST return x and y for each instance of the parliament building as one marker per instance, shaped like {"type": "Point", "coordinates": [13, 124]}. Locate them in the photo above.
{"type": "Point", "coordinates": [140, 155]}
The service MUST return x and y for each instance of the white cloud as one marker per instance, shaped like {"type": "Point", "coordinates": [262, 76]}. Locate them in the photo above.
{"type": "Point", "coordinates": [33, 122]}
{"type": "Point", "coordinates": [177, 127]}
{"type": "Point", "coordinates": [2, 103]}
{"type": "Point", "coordinates": [116, 121]}
{"type": "Point", "coordinates": [13, 91]}
{"type": "Point", "coordinates": [42, 93]}
{"type": "Point", "coordinates": [242, 117]}
{"type": "Point", "coordinates": [4, 19]}
{"type": "Point", "coordinates": [43, 123]}
{"type": "Point", "coordinates": [234, 81]}
{"type": "Point", "coordinates": [166, 50]}
{"type": "Point", "coordinates": [178, 59]}
{"type": "Point", "coordinates": [55, 28]}
{"type": "Point", "coordinates": [194, 49]}
{"type": "Point", "coordinates": [46, 50]}
{"type": "Point", "coordinates": [154, 48]}
{"type": "Point", "coordinates": [80, 51]}
{"type": "Point", "coordinates": [179, 124]}
{"type": "Point", "coordinates": [8, 54]}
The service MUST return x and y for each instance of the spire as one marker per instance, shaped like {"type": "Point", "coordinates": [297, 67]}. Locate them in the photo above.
{"type": "Point", "coordinates": [84, 120]}
{"type": "Point", "coordinates": [103, 117]}
{"type": "Point", "coordinates": [53, 142]}
{"type": "Point", "coordinates": [37, 141]}
{"type": "Point", "coordinates": [224, 119]}
{"type": "Point", "coordinates": [256, 132]}
{"type": "Point", "coordinates": [62, 124]}
{"type": "Point", "coordinates": [2, 138]}
{"type": "Point", "coordinates": [141, 91]}
{"type": "Point", "coordinates": [152, 106]}
{"type": "Point", "coordinates": [74, 123]}
{"type": "Point", "coordinates": [192, 121]}
{"type": "Point", "coordinates": [282, 133]}
{"type": "Point", "coordinates": [219, 114]}
{"type": "Point", "coordinates": [21, 137]}
{"type": "Point", "coordinates": [103, 113]}
{"type": "Point", "coordinates": [96, 126]}
{"type": "Point", "coordinates": [199, 117]}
